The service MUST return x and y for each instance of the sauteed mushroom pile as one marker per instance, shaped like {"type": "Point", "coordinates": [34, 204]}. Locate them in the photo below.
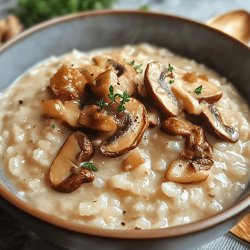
{"type": "Point", "coordinates": [102, 101]}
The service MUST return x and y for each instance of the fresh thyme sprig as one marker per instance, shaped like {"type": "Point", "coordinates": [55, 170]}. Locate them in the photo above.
{"type": "Point", "coordinates": [123, 99]}
{"type": "Point", "coordinates": [170, 68]}
{"type": "Point", "coordinates": [89, 165]}
{"type": "Point", "coordinates": [137, 67]}
{"type": "Point", "coordinates": [101, 104]}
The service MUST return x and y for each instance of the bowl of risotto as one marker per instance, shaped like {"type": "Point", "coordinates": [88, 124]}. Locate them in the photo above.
{"type": "Point", "coordinates": [125, 128]}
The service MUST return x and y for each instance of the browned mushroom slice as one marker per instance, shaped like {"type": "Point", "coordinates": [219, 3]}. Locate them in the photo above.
{"type": "Point", "coordinates": [124, 72]}
{"type": "Point", "coordinates": [101, 86]}
{"type": "Point", "coordinates": [188, 102]}
{"type": "Point", "coordinates": [196, 146]}
{"type": "Point", "coordinates": [181, 171]}
{"type": "Point", "coordinates": [159, 89]}
{"type": "Point", "coordinates": [133, 125]}
{"type": "Point", "coordinates": [91, 117]}
{"type": "Point", "coordinates": [202, 164]}
{"type": "Point", "coordinates": [176, 126]}
{"type": "Point", "coordinates": [68, 111]}
{"type": "Point", "coordinates": [217, 123]}
{"type": "Point", "coordinates": [91, 72]}
{"type": "Point", "coordinates": [209, 91]}
{"type": "Point", "coordinates": [68, 83]}
{"type": "Point", "coordinates": [65, 175]}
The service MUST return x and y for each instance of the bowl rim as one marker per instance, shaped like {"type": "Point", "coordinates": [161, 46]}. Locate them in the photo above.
{"type": "Point", "coordinates": [167, 232]}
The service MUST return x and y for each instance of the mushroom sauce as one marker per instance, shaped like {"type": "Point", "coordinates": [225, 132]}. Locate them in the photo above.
{"type": "Point", "coordinates": [129, 138]}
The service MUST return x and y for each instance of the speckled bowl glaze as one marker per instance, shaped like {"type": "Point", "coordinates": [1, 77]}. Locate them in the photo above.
{"type": "Point", "coordinates": [93, 30]}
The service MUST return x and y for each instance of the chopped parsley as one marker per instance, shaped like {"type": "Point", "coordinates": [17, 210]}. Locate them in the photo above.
{"type": "Point", "coordinates": [198, 90]}
{"type": "Point", "coordinates": [89, 165]}
{"type": "Point", "coordinates": [170, 68]}
{"type": "Point", "coordinates": [137, 67]}
{"type": "Point", "coordinates": [53, 126]}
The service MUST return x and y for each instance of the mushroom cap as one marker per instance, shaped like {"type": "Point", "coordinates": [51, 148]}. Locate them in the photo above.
{"type": "Point", "coordinates": [132, 127]}
{"type": "Point", "coordinates": [65, 174]}
{"type": "Point", "coordinates": [125, 72]}
{"type": "Point", "coordinates": [188, 102]}
{"type": "Point", "coordinates": [181, 171]}
{"type": "Point", "coordinates": [68, 111]}
{"type": "Point", "coordinates": [102, 83]}
{"type": "Point", "coordinates": [159, 89]}
{"type": "Point", "coordinates": [92, 117]}
{"type": "Point", "coordinates": [91, 72]}
{"type": "Point", "coordinates": [217, 123]}
{"type": "Point", "coordinates": [176, 126]}
{"type": "Point", "coordinates": [210, 92]}
{"type": "Point", "coordinates": [68, 83]}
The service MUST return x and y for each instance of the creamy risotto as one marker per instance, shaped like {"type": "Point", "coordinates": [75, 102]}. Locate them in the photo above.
{"type": "Point", "coordinates": [128, 138]}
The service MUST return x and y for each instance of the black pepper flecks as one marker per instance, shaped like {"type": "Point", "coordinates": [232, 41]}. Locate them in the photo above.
{"type": "Point", "coordinates": [20, 102]}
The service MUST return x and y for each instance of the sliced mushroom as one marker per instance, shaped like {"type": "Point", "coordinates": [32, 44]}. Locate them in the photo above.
{"type": "Point", "coordinates": [132, 161]}
{"type": "Point", "coordinates": [176, 126]}
{"type": "Point", "coordinates": [101, 86]}
{"type": "Point", "coordinates": [133, 124]}
{"type": "Point", "coordinates": [159, 89]}
{"type": "Point", "coordinates": [124, 72]}
{"type": "Point", "coordinates": [209, 92]}
{"type": "Point", "coordinates": [93, 118]}
{"type": "Point", "coordinates": [188, 102]}
{"type": "Point", "coordinates": [68, 83]}
{"type": "Point", "coordinates": [217, 123]}
{"type": "Point", "coordinates": [68, 111]}
{"type": "Point", "coordinates": [91, 72]}
{"type": "Point", "coordinates": [196, 146]}
{"type": "Point", "coordinates": [65, 175]}
{"type": "Point", "coordinates": [202, 164]}
{"type": "Point", "coordinates": [181, 171]}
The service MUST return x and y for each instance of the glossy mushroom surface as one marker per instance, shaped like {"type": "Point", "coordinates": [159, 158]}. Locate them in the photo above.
{"type": "Point", "coordinates": [65, 174]}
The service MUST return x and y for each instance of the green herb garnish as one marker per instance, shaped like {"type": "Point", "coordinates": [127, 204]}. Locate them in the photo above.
{"type": "Point", "coordinates": [124, 98]}
{"type": "Point", "coordinates": [89, 165]}
{"type": "Point", "coordinates": [53, 126]}
{"type": "Point", "coordinates": [198, 90]}
{"type": "Point", "coordinates": [101, 104]}
{"type": "Point", "coordinates": [31, 12]}
{"type": "Point", "coordinates": [137, 67]}
{"type": "Point", "coordinates": [171, 81]}
{"type": "Point", "coordinates": [170, 68]}
{"type": "Point", "coordinates": [144, 7]}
